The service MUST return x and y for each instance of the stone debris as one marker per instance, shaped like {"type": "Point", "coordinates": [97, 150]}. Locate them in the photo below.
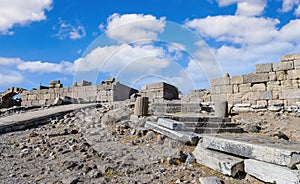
{"type": "Point", "coordinates": [220, 162]}
{"type": "Point", "coordinates": [271, 173]}
{"type": "Point", "coordinates": [210, 180]}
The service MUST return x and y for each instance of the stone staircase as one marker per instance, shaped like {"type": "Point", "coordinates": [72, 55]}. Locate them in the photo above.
{"type": "Point", "coordinates": [269, 160]}
{"type": "Point", "coordinates": [191, 126]}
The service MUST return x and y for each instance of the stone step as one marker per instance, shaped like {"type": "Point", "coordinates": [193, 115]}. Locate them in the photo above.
{"type": "Point", "coordinates": [271, 173]}
{"type": "Point", "coordinates": [177, 125]}
{"type": "Point", "coordinates": [208, 127]}
{"type": "Point", "coordinates": [185, 137]}
{"type": "Point", "coordinates": [261, 148]}
{"type": "Point", "coordinates": [220, 162]}
{"type": "Point", "coordinates": [206, 130]}
{"type": "Point", "coordinates": [196, 118]}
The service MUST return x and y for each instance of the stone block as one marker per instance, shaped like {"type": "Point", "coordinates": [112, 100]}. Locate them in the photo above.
{"type": "Point", "coordinates": [280, 152]}
{"type": "Point", "coordinates": [256, 78]}
{"type": "Point", "coordinates": [235, 88]}
{"type": "Point", "coordinates": [229, 89]}
{"type": "Point", "coordinates": [258, 87]}
{"type": "Point", "coordinates": [271, 173]}
{"type": "Point", "coordinates": [290, 57]}
{"type": "Point", "coordinates": [272, 76]}
{"type": "Point", "coordinates": [236, 80]}
{"type": "Point", "coordinates": [286, 84]}
{"type": "Point", "coordinates": [273, 85]}
{"type": "Point", "coordinates": [243, 88]}
{"type": "Point", "coordinates": [218, 97]}
{"type": "Point", "coordinates": [266, 95]}
{"type": "Point", "coordinates": [289, 94]}
{"type": "Point", "coordinates": [282, 66]}
{"type": "Point", "coordinates": [281, 75]}
{"type": "Point", "coordinates": [210, 180]}
{"type": "Point", "coordinates": [171, 124]}
{"type": "Point", "coordinates": [295, 83]}
{"type": "Point", "coordinates": [275, 102]}
{"type": "Point", "coordinates": [262, 103]}
{"type": "Point", "coordinates": [220, 89]}
{"type": "Point", "coordinates": [275, 94]}
{"type": "Point", "coordinates": [185, 137]}
{"type": "Point", "coordinates": [297, 64]}
{"type": "Point", "coordinates": [220, 81]}
{"type": "Point", "coordinates": [220, 162]}
{"type": "Point", "coordinates": [264, 68]}
{"type": "Point", "coordinates": [293, 74]}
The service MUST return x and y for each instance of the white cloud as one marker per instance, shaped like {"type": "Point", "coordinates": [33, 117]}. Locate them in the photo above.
{"type": "Point", "coordinates": [236, 29]}
{"type": "Point", "coordinates": [297, 11]}
{"type": "Point", "coordinates": [288, 5]}
{"type": "Point", "coordinates": [8, 78]}
{"type": "Point", "coordinates": [46, 67]}
{"type": "Point", "coordinates": [9, 61]}
{"type": "Point", "coordinates": [246, 7]}
{"type": "Point", "coordinates": [21, 12]}
{"type": "Point", "coordinates": [112, 59]}
{"type": "Point", "coordinates": [70, 31]}
{"type": "Point", "coordinates": [133, 27]}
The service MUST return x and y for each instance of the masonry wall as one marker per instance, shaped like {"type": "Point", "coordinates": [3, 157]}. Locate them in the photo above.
{"type": "Point", "coordinates": [272, 84]}
{"type": "Point", "coordinates": [103, 93]}
{"type": "Point", "coordinates": [159, 90]}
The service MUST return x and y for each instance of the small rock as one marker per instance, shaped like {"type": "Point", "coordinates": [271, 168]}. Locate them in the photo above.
{"type": "Point", "coordinates": [70, 180]}
{"type": "Point", "coordinates": [171, 161]}
{"type": "Point", "coordinates": [150, 135]}
{"type": "Point", "coordinates": [190, 159]}
{"type": "Point", "coordinates": [95, 173]}
{"type": "Point", "coordinates": [210, 180]}
{"type": "Point", "coordinates": [281, 135]}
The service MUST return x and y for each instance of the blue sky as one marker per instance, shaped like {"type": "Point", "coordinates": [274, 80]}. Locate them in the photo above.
{"type": "Point", "coordinates": [183, 42]}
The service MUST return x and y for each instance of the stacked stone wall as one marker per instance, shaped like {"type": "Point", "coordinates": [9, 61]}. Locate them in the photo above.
{"type": "Point", "coordinates": [159, 90]}
{"type": "Point", "coordinates": [272, 84]}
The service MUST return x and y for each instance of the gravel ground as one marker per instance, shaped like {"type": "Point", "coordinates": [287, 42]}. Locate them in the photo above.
{"type": "Point", "coordinates": [103, 146]}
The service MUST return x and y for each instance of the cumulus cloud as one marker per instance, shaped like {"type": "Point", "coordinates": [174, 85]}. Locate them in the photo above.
{"type": "Point", "coordinates": [288, 5]}
{"type": "Point", "coordinates": [46, 67]}
{"type": "Point", "coordinates": [9, 78]}
{"type": "Point", "coordinates": [133, 27]}
{"type": "Point", "coordinates": [21, 12]}
{"type": "Point", "coordinates": [66, 30]}
{"type": "Point", "coordinates": [9, 61]}
{"type": "Point", "coordinates": [112, 59]}
{"type": "Point", "coordinates": [246, 7]}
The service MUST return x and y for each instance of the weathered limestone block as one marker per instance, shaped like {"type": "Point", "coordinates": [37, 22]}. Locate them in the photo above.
{"type": "Point", "coordinates": [141, 106]}
{"type": "Point", "coordinates": [258, 87]}
{"type": "Point", "coordinates": [289, 94]}
{"type": "Point", "coordinates": [210, 180]}
{"type": "Point", "coordinates": [271, 173]}
{"type": "Point", "coordinates": [235, 88]}
{"type": "Point", "coordinates": [295, 83]}
{"type": "Point", "coordinates": [293, 74]}
{"type": "Point", "coordinates": [185, 137]}
{"type": "Point", "coordinates": [264, 68]}
{"type": "Point", "coordinates": [265, 149]}
{"type": "Point", "coordinates": [32, 97]}
{"type": "Point", "coordinates": [221, 109]}
{"type": "Point", "coordinates": [218, 97]}
{"type": "Point", "coordinates": [220, 162]}
{"type": "Point", "coordinates": [266, 95]}
{"type": "Point", "coordinates": [272, 76]}
{"type": "Point", "coordinates": [286, 84]}
{"type": "Point", "coordinates": [220, 89]}
{"type": "Point", "coordinates": [236, 80]}
{"type": "Point", "coordinates": [262, 103]}
{"type": "Point", "coordinates": [273, 85]}
{"type": "Point", "coordinates": [290, 57]}
{"type": "Point", "coordinates": [171, 124]}
{"type": "Point", "coordinates": [229, 89]}
{"type": "Point", "coordinates": [256, 78]}
{"type": "Point", "coordinates": [281, 66]}
{"type": "Point", "coordinates": [220, 81]}
{"type": "Point", "coordinates": [281, 75]}
{"type": "Point", "coordinates": [297, 64]}
{"type": "Point", "coordinates": [276, 102]}
{"type": "Point", "coordinates": [243, 88]}
{"type": "Point", "coordinates": [275, 94]}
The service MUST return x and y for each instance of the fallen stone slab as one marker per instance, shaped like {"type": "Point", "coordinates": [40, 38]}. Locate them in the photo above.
{"type": "Point", "coordinates": [196, 118]}
{"type": "Point", "coordinates": [185, 137]}
{"type": "Point", "coordinates": [210, 180]}
{"type": "Point", "coordinates": [271, 173]}
{"type": "Point", "coordinates": [280, 152]}
{"type": "Point", "coordinates": [27, 119]}
{"type": "Point", "coordinates": [220, 162]}
{"type": "Point", "coordinates": [208, 130]}
{"type": "Point", "coordinates": [171, 124]}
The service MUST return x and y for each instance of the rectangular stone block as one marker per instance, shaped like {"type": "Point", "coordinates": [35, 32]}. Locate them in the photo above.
{"type": "Point", "coordinates": [220, 89]}
{"type": "Point", "coordinates": [271, 173]}
{"type": "Point", "coordinates": [220, 162]}
{"type": "Point", "coordinates": [243, 88]}
{"type": "Point", "coordinates": [264, 68]}
{"type": "Point", "coordinates": [273, 85]}
{"type": "Point", "coordinates": [171, 124]}
{"type": "Point", "coordinates": [265, 149]}
{"type": "Point", "coordinates": [281, 66]}
{"type": "Point", "coordinates": [236, 80]}
{"type": "Point", "coordinates": [276, 102]}
{"type": "Point", "coordinates": [293, 74]}
{"type": "Point", "coordinates": [281, 75]}
{"type": "Point", "coordinates": [290, 57]}
{"type": "Point", "coordinates": [266, 95]}
{"type": "Point", "coordinates": [256, 77]}
{"type": "Point", "coordinates": [295, 83]}
{"type": "Point", "coordinates": [262, 103]}
{"type": "Point", "coordinates": [235, 88]}
{"type": "Point", "coordinates": [219, 97]}
{"type": "Point", "coordinates": [220, 81]}
{"type": "Point", "coordinates": [297, 64]}
{"type": "Point", "coordinates": [275, 94]}
{"type": "Point", "coordinates": [286, 84]}
{"type": "Point", "coordinates": [289, 94]}
{"type": "Point", "coordinates": [258, 87]}
{"type": "Point", "coordinates": [272, 76]}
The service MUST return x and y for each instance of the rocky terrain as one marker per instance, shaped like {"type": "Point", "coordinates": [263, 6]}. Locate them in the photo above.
{"type": "Point", "coordinates": [101, 145]}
